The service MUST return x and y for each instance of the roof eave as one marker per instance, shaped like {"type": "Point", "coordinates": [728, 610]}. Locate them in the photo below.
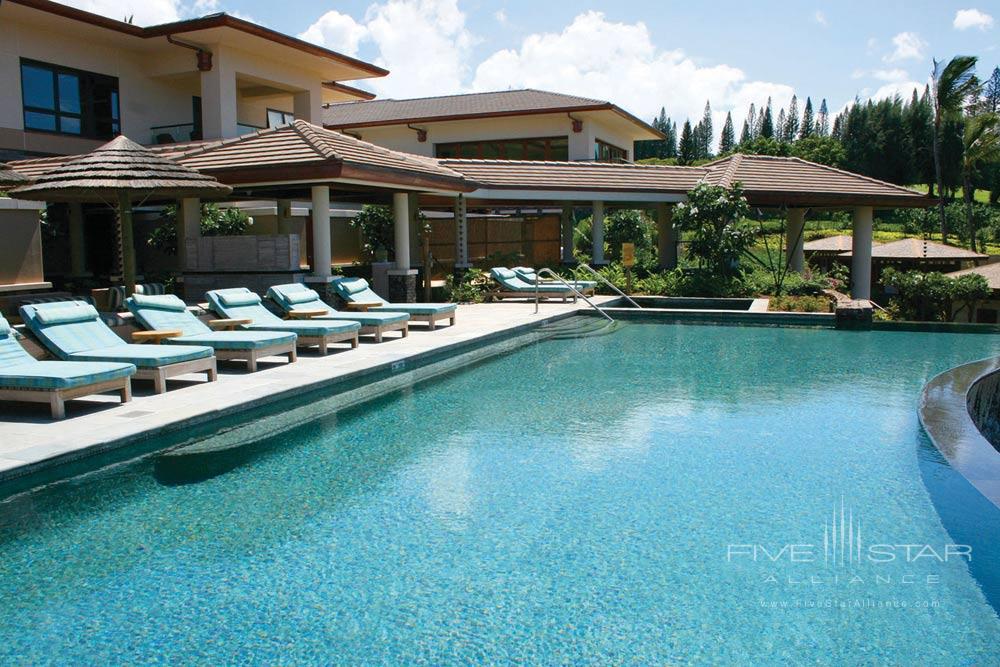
{"type": "Point", "coordinates": [470, 116]}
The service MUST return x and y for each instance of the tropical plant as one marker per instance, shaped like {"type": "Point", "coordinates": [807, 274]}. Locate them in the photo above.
{"type": "Point", "coordinates": [981, 146]}
{"type": "Point", "coordinates": [933, 296]}
{"type": "Point", "coordinates": [713, 216]}
{"type": "Point", "coordinates": [215, 221]}
{"type": "Point", "coordinates": [952, 85]}
{"type": "Point", "coordinates": [377, 225]}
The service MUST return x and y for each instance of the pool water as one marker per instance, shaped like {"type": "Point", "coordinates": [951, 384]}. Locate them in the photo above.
{"type": "Point", "coordinates": [593, 500]}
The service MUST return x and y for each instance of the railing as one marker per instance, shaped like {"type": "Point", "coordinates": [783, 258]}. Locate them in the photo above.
{"type": "Point", "coordinates": [573, 288]}
{"type": "Point", "coordinates": [608, 283]}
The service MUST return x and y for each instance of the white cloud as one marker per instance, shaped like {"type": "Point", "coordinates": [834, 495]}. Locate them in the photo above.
{"type": "Point", "coordinates": [907, 46]}
{"type": "Point", "coordinates": [143, 12]}
{"type": "Point", "coordinates": [972, 18]}
{"type": "Point", "coordinates": [336, 31]}
{"type": "Point", "coordinates": [424, 43]}
{"type": "Point", "coordinates": [820, 18]}
{"type": "Point", "coordinates": [890, 74]}
{"type": "Point", "coordinates": [629, 70]}
{"type": "Point", "coordinates": [903, 89]}
{"type": "Point", "coordinates": [501, 16]}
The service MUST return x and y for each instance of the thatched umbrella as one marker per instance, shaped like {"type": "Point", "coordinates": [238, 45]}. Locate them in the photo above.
{"type": "Point", "coordinates": [119, 173]}
{"type": "Point", "coordinates": [10, 178]}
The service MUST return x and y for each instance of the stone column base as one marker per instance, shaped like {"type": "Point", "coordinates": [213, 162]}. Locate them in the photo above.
{"type": "Point", "coordinates": [403, 285]}
{"type": "Point", "coordinates": [855, 314]}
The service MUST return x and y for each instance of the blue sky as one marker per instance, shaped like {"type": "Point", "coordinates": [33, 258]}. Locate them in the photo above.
{"type": "Point", "coordinates": [640, 55]}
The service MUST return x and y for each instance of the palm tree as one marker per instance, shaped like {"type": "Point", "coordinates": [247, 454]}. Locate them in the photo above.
{"type": "Point", "coordinates": [952, 85]}
{"type": "Point", "coordinates": [980, 145]}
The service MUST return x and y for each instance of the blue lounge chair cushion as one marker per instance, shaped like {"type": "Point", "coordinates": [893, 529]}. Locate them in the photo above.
{"type": "Point", "coordinates": [265, 320]}
{"type": "Point", "coordinates": [239, 299]}
{"type": "Point", "coordinates": [357, 290]}
{"type": "Point", "coordinates": [144, 356]}
{"type": "Point", "coordinates": [529, 276]}
{"type": "Point", "coordinates": [510, 282]}
{"type": "Point", "coordinates": [235, 340]}
{"type": "Point", "coordinates": [68, 314]}
{"type": "Point", "coordinates": [20, 370]}
{"type": "Point", "coordinates": [159, 302]}
{"type": "Point", "coordinates": [296, 296]}
{"type": "Point", "coordinates": [77, 339]}
{"type": "Point", "coordinates": [62, 374]}
{"type": "Point", "coordinates": [196, 332]}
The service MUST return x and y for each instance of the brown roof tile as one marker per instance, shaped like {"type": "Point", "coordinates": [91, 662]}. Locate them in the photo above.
{"type": "Point", "coordinates": [793, 181]}
{"type": "Point", "coordinates": [911, 248]}
{"type": "Point", "coordinates": [456, 107]}
{"type": "Point", "coordinates": [840, 243]}
{"type": "Point", "coordinates": [583, 176]}
{"type": "Point", "coordinates": [989, 271]}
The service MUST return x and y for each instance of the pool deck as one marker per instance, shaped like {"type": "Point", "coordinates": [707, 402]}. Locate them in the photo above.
{"type": "Point", "coordinates": [30, 441]}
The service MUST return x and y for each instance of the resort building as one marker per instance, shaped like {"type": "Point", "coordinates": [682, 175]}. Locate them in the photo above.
{"type": "Point", "coordinates": [503, 173]}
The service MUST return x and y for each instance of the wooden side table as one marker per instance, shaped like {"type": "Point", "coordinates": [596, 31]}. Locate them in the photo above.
{"type": "Point", "coordinates": [156, 336]}
{"type": "Point", "coordinates": [306, 313]}
{"type": "Point", "coordinates": [229, 324]}
{"type": "Point", "coordinates": [363, 305]}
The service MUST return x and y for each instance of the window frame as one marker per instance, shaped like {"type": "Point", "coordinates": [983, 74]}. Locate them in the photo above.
{"type": "Point", "coordinates": [269, 111]}
{"type": "Point", "coordinates": [87, 117]}
{"type": "Point", "coordinates": [600, 145]}
{"type": "Point", "coordinates": [478, 145]}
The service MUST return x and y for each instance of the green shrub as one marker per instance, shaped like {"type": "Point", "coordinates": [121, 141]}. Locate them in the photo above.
{"type": "Point", "coordinates": [215, 221]}
{"type": "Point", "coordinates": [933, 297]}
{"type": "Point", "coordinates": [472, 288]}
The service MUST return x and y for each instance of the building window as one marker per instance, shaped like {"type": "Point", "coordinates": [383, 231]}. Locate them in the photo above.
{"type": "Point", "coordinates": [553, 149]}
{"type": "Point", "coordinates": [69, 101]}
{"type": "Point", "coordinates": [277, 118]}
{"type": "Point", "coordinates": [605, 152]}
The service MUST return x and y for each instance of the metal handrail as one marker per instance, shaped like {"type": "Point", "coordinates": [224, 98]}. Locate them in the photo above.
{"type": "Point", "coordinates": [577, 292]}
{"type": "Point", "coordinates": [608, 283]}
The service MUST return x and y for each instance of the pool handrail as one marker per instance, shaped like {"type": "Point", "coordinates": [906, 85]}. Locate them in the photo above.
{"type": "Point", "coordinates": [608, 283]}
{"type": "Point", "coordinates": [560, 279]}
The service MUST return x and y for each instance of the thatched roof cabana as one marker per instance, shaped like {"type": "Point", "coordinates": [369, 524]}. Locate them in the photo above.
{"type": "Point", "coordinates": [119, 173]}
{"type": "Point", "coordinates": [10, 178]}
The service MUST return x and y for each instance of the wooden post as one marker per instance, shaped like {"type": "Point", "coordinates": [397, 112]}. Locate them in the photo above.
{"type": "Point", "coordinates": [128, 246]}
{"type": "Point", "coordinates": [425, 251]}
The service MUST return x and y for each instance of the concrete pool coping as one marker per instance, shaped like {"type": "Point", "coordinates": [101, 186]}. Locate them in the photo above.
{"type": "Point", "coordinates": [944, 414]}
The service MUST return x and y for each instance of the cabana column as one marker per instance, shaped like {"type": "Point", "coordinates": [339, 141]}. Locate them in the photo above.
{"type": "Point", "coordinates": [461, 233]}
{"type": "Point", "coordinates": [566, 227]}
{"type": "Point", "coordinates": [402, 279]}
{"type": "Point", "coordinates": [321, 252]}
{"type": "Point", "coordinates": [794, 237]}
{"type": "Point", "coordinates": [666, 236]}
{"type": "Point", "coordinates": [861, 253]}
{"type": "Point", "coordinates": [597, 232]}
{"type": "Point", "coordinates": [77, 249]}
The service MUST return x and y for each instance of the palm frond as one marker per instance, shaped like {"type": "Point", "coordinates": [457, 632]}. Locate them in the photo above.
{"type": "Point", "coordinates": [954, 83]}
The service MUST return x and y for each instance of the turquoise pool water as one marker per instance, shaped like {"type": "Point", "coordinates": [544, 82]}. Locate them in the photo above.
{"type": "Point", "coordinates": [575, 501]}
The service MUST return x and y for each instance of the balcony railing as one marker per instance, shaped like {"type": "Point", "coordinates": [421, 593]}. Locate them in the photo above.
{"type": "Point", "coordinates": [175, 134]}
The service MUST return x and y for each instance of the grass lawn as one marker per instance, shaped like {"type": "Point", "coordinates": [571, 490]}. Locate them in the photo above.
{"type": "Point", "coordinates": [981, 196]}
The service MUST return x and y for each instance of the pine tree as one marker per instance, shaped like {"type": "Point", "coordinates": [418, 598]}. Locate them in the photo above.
{"type": "Point", "coordinates": [751, 124]}
{"type": "Point", "coordinates": [791, 129]}
{"type": "Point", "coordinates": [745, 133]}
{"type": "Point", "coordinates": [707, 133]}
{"type": "Point", "coordinates": [806, 129]}
{"type": "Point", "coordinates": [687, 148]}
{"type": "Point", "coordinates": [671, 151]}
{"type": "Point", "coordinates": [781, 126]}
{"type": "Point", "coordinates": [767, 122]}
{"type": "Point", "coordinates": [991, 93]}
{"type": "Point", "coordinates": [727, 144]}
{"type": "Point", "coordinates": [823, 120]}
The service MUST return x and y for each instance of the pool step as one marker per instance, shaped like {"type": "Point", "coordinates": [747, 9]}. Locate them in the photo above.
{"type": "Point", "coordinates": [579, 327]}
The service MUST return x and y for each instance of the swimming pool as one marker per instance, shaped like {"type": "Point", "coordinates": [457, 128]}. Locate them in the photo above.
{"type": "Point", "coordinates": [643, 497]}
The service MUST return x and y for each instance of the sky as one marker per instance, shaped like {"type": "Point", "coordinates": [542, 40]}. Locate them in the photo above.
{"type": "Point", "coordinates": [640, 55]}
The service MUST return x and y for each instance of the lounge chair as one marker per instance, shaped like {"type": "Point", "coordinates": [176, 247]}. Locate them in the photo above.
{"type": "Point", "coordinates": [297, 297]}
{"type": "Point", "coordinates": [239, 303]}
{"type": "Point", "coordinates": [357, 291]}
{"type": "Point", "coordinates": [164, 312]}
{"type": "Point", "coordinates": [73, 331]}
{"type": "Point", "coordinates": [512, 287]}
{"type": "Point", "coordinates": [24, 378]}
{"type": "Point", "coordinates": [529, 276]}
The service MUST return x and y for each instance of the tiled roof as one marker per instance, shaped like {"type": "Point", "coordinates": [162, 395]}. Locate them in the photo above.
{"type": "Point", "coordinates": [583, 176]}
{"type": "Point", "coordinates": [302, 144]}
{"type": "Point", "coordinates": [34, 167]}
{"type": "Point", "coordinates": [793, 181]}
{"type": "Point", "coordinates": [921, 249]}
{"type": "Point", "coordinates": [989, 271]}
{"type": "Point", "coordinates": [475, 105]}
